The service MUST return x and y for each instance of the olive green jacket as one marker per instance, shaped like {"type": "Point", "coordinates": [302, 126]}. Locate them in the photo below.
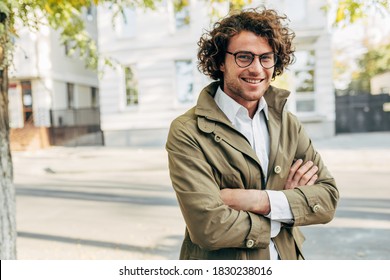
{"type": "Point", "coordinates": [206, 154]}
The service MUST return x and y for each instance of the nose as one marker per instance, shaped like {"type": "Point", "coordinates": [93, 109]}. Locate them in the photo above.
{"type": "Point", "coordinates": [256, 66]}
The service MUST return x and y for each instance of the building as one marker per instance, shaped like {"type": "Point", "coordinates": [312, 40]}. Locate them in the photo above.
{"type": "Point", "coordinates": [156, 76]}
{"type": "Point", "coordinates": [380, 83]}
{"type": "Point", "coordinates": [53, 98]}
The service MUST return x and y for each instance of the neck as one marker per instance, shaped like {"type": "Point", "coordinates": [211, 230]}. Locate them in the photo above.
{"type": "Point", "coordinates": [252, 109]}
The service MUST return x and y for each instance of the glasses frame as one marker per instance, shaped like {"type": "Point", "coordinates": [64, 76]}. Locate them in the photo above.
{"type": "Point", "coordinates": [253, 58]}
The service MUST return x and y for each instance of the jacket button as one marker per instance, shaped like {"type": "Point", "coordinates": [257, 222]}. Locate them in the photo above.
{"type": "Point", "coordinates": [217, 138]}
{"type": "Point", "coordinates": [250, 243]}
{"type": "Point", "coordinates": [277, 169]}
{"type": "Point", "coordinates": [316, 208]}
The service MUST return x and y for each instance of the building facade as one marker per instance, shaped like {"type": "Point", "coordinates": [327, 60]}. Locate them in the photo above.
{"type": "Point", "coordinates": [380, 83]}
{"type": "Point", "coordinates": [156, 78]}
{"type": "Point", "coordinates": [53, 98]}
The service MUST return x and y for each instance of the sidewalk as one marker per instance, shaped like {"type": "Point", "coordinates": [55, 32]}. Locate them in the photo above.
{"type": "Point", "coordinates": [360, 164]}
{"type": "Point", "coordinates": [117, 203]}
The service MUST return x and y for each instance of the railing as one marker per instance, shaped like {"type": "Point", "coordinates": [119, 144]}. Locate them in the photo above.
{"type": "Point", "coordinates": [76, 127]}
{"type": "Point", "coordinates": [75, 117]}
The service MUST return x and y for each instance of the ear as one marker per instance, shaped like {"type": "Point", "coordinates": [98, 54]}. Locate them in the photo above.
{"type": "Point", "coordinates": [222, 67]}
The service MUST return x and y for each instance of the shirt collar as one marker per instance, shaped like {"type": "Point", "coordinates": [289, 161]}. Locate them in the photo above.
{"type": "Point", "coordinates": [230, 107]}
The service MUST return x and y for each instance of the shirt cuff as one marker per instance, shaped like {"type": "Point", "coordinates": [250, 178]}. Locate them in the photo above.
{"type": "Point", "coordinates": [280, 209]}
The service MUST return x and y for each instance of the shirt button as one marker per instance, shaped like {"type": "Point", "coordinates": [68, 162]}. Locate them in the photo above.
{"type": "Point", "coordinates": [250, 243]}
{"type": "Point", "coordinates": [316, 208]}
{"type": "Point", "coordinates": [277, 169]}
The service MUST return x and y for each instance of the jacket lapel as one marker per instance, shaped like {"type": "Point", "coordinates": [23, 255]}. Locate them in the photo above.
{"type": "Point", "coordinates": [238, 141]}
{"type": "Point", "coordinates": [212, 120]}
{"type": "Point", "coordinates": [274, 133]}
{"type": "Point", "coordinates": [276, 100]}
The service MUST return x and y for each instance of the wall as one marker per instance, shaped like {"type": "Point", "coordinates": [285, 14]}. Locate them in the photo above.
{"type": "Point", "coordinates": [152, 44]}
{"type": "Point", "coordinates": [380, 83]}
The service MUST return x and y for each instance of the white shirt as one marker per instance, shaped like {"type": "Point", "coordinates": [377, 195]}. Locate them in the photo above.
{"type": "Point", "coordinates": [256, 131]}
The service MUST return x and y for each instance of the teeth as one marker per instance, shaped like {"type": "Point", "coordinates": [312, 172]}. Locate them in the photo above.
{"type": "Point", "coordinates": [252, 81]}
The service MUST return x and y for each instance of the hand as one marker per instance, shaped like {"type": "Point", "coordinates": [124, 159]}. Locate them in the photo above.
{"type": "Point", "coordinates": [255, 201]}
{"type": "Point", "coordinates": [301, 175]}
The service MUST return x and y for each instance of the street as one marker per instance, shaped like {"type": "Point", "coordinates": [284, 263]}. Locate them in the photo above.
{"type": "Point", "coordinates": [117, 203]}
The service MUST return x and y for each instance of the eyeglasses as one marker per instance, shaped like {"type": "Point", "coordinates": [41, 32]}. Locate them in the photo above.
{"type": "Point", "coordinates": [244, 59]}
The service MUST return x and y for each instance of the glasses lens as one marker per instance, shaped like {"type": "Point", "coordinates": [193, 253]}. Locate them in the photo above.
{"type": "Point", "coordinates": [243, 59]}
{"type": "Point", "coordinates": [268, 60]}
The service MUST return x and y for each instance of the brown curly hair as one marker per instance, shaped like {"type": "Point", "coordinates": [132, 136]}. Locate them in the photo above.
{"type": "Point", "coordinates": [265, 23]}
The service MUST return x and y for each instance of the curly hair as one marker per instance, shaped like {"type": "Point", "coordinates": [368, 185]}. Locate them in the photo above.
{"type": "Point", "coordinates": [265, 23]}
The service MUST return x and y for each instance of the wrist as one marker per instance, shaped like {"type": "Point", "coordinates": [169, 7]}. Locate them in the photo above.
{"type": "Point", "coordinates": [264, 204]}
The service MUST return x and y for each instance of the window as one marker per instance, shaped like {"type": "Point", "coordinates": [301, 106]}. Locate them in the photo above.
{"type": "Point", "coordinates": [90, 13]}
{"type": "Point", "coordinates": [131, 85]}
{"type": "Point", "coordinates": [26, 93]}
{"type": "Point", "coordinates": [67, 48]}
{"type": "Point", "coordinates": [184, 81]}
{"type": "Point", "coordinates": [94, 97]}
{"type": "Point", "coordinates": [70, 95]}
{"type": "Point", "coordinates": [27, 100]}
{"type": "Point", "coordinates": [304, 76]}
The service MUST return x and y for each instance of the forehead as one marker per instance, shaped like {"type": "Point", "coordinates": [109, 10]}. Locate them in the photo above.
{"type": "Point", "coordinates": [249, 41]}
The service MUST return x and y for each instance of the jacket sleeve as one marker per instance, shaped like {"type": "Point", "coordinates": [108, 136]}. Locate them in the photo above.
{"type": "Point", "coordinates": [314, 204]}
{"type": "Point", "coordinates": [211, 224]}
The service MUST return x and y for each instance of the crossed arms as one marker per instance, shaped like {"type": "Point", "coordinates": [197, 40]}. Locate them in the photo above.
{"type": "Point", "coordinates": [257, 201]}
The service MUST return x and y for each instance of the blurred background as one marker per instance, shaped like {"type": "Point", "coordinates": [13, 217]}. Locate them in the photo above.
{"type": "Point", "coordinates": [339, 82]}
{"type": "Point", "coordinates": [90, 167]}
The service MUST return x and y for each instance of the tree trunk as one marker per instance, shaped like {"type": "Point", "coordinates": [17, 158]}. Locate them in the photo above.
{"type": "Point", "coordinates": [7, 194]}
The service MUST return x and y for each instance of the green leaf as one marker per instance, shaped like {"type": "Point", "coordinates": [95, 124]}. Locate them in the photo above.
{"type": "Point", "coordinates": [4, 8]}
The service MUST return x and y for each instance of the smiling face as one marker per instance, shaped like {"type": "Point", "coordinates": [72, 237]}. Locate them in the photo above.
{"type": "Point", "coordinates": [246, 85]}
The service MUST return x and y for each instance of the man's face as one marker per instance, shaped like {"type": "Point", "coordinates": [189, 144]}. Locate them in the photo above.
{"type": "Point", "coordinates": [246, 85]}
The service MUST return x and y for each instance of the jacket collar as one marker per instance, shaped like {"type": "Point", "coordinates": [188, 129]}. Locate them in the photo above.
{"type": "Point", "coordinates": [231, 108]}
{"type": "Point", "coordinates": [206, 106]}
{"type": "Point", "coordinates": [212, 120]}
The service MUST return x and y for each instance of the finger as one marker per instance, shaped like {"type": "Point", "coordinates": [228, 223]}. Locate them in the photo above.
{"type": "Point", "coordinates": [294, 169]}
{"type": "Point", "coordinates": [302, 171]}
{"type": "Point", "coordinates": [312, 181]}
{"type": "Point", "coordinates": [308, 175]}
{"type": "Point", "coordinates": [289, 184]}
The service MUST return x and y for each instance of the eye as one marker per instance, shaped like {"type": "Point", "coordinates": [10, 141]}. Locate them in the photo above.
{"type": "Point", "coordinates": [243, 56]}
{"type": "Point", "coordinates": [267, 57]}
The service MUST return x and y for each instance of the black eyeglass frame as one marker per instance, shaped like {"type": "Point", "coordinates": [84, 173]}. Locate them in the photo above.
{"type": "Point", "coordinates": [253, 58]}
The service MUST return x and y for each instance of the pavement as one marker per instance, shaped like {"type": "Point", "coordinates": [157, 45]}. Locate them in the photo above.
{"type": "Point", "coordinates": [102, 203]}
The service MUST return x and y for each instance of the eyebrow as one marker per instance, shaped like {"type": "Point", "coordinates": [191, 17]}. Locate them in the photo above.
{"type": "Point", "coordinates": [255, 53]}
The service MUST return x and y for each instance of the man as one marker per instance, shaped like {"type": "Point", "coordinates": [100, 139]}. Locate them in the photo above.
{"type": "Point", "coordinates": [245, 173]}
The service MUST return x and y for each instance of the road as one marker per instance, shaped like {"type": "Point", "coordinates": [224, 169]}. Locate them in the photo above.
{"type": "Point", "coordinates": [103, 203]}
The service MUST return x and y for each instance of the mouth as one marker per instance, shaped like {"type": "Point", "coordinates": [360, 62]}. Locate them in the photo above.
{"type": "Point", "coordinates": [252, 81]}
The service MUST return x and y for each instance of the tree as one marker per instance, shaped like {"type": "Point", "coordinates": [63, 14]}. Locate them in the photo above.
{"type": "Point", "coordinates": [7, 196]}
{"type": "Point", "coordinates": [66, 17]}
{"type": "Point", "coordinates": [365, 58]}
{"type": "Point", "coordinates": [375, 61]}
{"type": "Point", "coordinates": [345, 12]}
